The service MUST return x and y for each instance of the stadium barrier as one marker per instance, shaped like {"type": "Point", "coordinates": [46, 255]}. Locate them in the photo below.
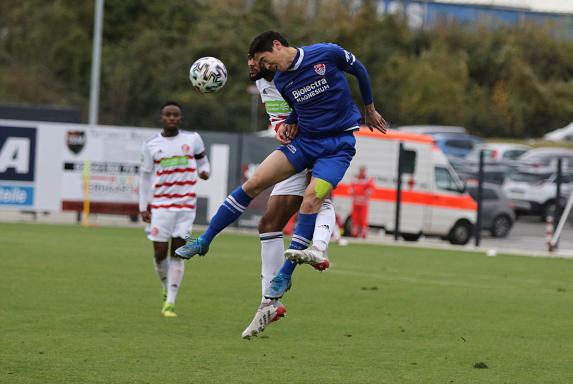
{"type": "Point", "coordinates": [53, 167]}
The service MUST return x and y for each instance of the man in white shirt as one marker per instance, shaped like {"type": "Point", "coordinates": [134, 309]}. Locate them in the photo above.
{"type": "Point", "coordinates": [172, 162]}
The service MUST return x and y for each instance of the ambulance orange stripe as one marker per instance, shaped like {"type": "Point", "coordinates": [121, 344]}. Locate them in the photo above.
{"type": "Point", "coordinates": [411, 197]}
{"type": "Point", "coordinates": [395, 135]}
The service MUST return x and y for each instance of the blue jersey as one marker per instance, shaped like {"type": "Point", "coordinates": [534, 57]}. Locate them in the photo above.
{"type": "Point", "coordinates": [315, 86]}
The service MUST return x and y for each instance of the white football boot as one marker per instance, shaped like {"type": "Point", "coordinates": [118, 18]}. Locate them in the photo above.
{"type": "Point", "coordinates": [313, 256]}
{"type": "Point", "coordinates": [268, 311]}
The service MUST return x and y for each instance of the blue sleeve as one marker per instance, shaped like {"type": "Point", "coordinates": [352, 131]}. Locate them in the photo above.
{"type": "Point", "coordinates": [292, 117]}
{"type": "Point", "coordinates": [347, 62]}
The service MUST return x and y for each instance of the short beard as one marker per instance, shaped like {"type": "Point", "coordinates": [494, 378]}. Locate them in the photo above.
{"type": "Point", "coordinates": [263, 73]}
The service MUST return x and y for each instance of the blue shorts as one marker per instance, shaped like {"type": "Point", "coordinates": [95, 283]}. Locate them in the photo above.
{"type": "Point", "coordinates": [329, 157]}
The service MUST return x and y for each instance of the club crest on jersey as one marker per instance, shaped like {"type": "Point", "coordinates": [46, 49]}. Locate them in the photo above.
{"type": "Point", "coordinates": [185, 148]}
{"type": "Point", "coordinates": [320, 69]}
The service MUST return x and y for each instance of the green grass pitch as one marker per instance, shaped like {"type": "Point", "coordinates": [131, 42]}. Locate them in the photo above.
{"type": "Point", "coordinates": [82, 305]}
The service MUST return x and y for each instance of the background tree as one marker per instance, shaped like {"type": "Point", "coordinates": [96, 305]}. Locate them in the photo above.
{"type": "Point", "coordinates": [512, 81]}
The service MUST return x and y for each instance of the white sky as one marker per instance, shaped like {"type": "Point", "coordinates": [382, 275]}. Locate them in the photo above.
{"type": "Point", "coordinates": [565, 6]}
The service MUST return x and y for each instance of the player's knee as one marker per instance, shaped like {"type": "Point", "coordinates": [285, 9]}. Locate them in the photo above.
{"type": "Point", "coordinates": [266, 224]}
{"type": "Point", "coordinates": [160, 256]}
{"type": "Point", "coordinates": [253, 186]}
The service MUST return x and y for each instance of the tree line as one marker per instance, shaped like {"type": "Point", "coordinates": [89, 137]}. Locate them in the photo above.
{"type": "Point", "coordinates": [510, 81]}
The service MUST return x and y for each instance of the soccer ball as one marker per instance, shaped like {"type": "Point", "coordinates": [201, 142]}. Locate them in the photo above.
{"type": "Point", "coordinates": [208, 74]}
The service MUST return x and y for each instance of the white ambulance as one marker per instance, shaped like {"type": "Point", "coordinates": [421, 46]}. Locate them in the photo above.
{"type": "Point", "coordinates": [434, 201]}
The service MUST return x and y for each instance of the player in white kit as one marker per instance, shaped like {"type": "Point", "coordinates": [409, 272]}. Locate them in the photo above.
{"type": "Point", "coordinates": [283, 203]}
{"type": "Point", "coordinates": [172, 161]}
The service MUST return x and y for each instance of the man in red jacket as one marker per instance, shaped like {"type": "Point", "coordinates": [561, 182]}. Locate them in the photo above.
{"type": "Point", "coordinates": [361, 189]}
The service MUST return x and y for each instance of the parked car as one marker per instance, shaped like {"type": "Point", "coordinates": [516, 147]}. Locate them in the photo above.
{"type": "Point", "coordinates": [534, 193]}
{"type": "Point", "coordinates": [499, 160]}
{"type": "Point", "coordinates": [497, 214]}
{"type": "Point", "coordinates": [468, 171]}
{"type": "Point", "coordinates": [544, 160]}
{"type": "Point", "coordinates": [498, 152]}
{"type": "Point", "coordinates": [456, 144]}
{"type": "Point", "coordinates": [432, 129]}
{"type": "Point", "coordinates": [561, 134]}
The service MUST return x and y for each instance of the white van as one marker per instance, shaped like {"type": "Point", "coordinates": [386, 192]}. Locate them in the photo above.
{"type": "Point", "coordinates": [434, 201]}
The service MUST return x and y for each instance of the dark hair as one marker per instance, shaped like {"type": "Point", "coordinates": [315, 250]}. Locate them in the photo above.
{"type": "Point", "coordinates": [264, 42]}
{"type": "Point", "coordinates": [171, 102]}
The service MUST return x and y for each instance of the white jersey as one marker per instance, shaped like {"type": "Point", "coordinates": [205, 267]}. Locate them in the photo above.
{"type": "Point", "coordinates": [277, 108]}
{"type": "Point", "coordinates": [172, 162]}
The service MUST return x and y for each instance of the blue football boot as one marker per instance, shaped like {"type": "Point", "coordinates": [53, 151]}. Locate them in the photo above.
{"type": "Point", "coordinates": [279, 285]}
{"type": "Point", "coordinates": [192, 247]}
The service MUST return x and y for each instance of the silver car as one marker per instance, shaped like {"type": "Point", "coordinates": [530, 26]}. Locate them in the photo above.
{"type": "Point", "coordinates": [497, 214]}
{"type": "Point", "coordinates": [544, 160]}
{"type": "Point", "coordinates": [498, 152]}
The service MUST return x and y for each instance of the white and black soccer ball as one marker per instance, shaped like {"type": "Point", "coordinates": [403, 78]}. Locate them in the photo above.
{"type": "Point", "coordinates": [208, 74]}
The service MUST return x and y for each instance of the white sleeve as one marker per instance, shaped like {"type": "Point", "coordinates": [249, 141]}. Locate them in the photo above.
{"type": "Point", "coordinates": [144, 190]}
{"type": "Point", "coordinates": [199, 146]}
{"type": "Point", "coordinates": [202, 163]}
{"type": "Point", "coordinates": [259, 85]}
{"type": "Point", "coordinates": [145, 176]}
{"type": "Point", "coordinates": [146, 159]}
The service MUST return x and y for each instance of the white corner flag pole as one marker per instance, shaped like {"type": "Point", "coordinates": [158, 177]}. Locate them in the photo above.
{"type": "Point", "coordinates": [562, 222]}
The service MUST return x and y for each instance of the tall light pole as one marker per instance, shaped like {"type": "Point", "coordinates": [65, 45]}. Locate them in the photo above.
{"type": "Point", "coordinates": [96, 63]}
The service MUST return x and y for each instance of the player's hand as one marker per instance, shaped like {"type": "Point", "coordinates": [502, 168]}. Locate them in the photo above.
{"type": "Point", "coordinates": [283, 134]}
{"type": "Point", "coordinates": [204, 175]}
{"type": "Point", "coordinates": [374, 120]}
{"type": "Point", "coordinates": [145, 216]}
{"type": "Point", "coordinates": [291, 131]}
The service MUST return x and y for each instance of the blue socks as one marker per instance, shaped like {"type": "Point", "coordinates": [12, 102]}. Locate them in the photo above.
{"type": "Point", "coordinates": [233, 206]}
{"type": "Point", "coordinates": [301, 238]}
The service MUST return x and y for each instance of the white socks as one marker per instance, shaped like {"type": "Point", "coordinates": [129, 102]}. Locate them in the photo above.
{"type": "Point", "coordinates": [272, 245]}
{"type": "Point", "coordinates": [272, 257]}
{"type": "Point", "coordinates": [174, 277]}
{"type": "Point", "coordinates": [161, 268]}
{"type": "Point", "coordinates": [170, 271]}
{"type": "Point", "coordinates": [325, 225]}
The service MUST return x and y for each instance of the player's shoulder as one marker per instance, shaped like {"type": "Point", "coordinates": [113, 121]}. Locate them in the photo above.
{"type": "Point", "coordinates": [321, 52]}
{"type": "Point", "coordinates": [319, 48]}
{"type": "Point", "coordinates": [189, 135]}
{"type": "Point", "coordinates": [264, 84]}
{"type": "Point", "coordinates": [151, 138]}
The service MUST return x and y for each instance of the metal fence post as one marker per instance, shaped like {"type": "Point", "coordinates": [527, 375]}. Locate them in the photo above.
{"type": "Point", "coordinates": [398, 194]}
{"type": "Point", "coordinates": [477, 229]}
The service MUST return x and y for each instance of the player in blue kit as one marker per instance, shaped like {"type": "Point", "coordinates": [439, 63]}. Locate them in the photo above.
{"type": "Point", "coordinates": [312, 80]}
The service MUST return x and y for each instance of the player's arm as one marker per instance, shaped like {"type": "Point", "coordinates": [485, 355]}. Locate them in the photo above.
{"type": "Point", "coordinates": [350, 64]}
{"type": "Point", "coordinates": [289, 129]}
{"type": "Point", "coordinates": [145, 180]}
{"type": "Point", "coordinates": [371, 186]}
{"type": "Point", "coordinates": [203, 166]}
